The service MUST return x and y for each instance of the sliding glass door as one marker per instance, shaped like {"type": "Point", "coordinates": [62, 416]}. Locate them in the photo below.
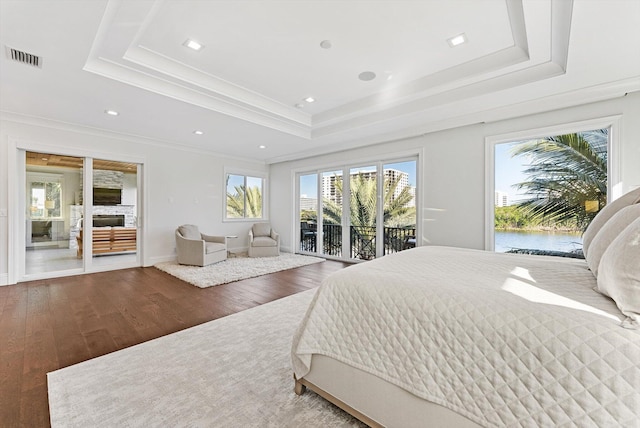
{"type": "Point", "coordinates": [363, 218]}
{"type": "Point", "coordinates": [58, 236]}
{"type": "Point", "coordinates": [114, 213]}
{"type": "Point", "coordinates": [52, 184]}
{"type": "Point", "coordinates": [332, 213]}
{"type": "Point", "coordinates": [371, 214]}
{"type": "Point", "coordinates": [399, 199]}
{"type": "Point", "coordinates": [308, 213]}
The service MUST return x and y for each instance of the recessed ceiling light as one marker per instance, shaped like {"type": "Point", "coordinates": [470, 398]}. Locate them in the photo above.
{"type": "Point", "coordinates": [366, 76]}
{"type": "Point", "coordinates": [325, 44]}
{"type": "Point", "coordinates": [192, 44]}
{"type": "Point", "coordinates": [198, 132]}
{"type": "Point", "coordinates": [309, 99]}
{"type": "Point", "coordinates": [457, 40]}
{"type": "Point", "coordinates": [262, 147]}
{"type": "Point", "coordinates": [111, 112]}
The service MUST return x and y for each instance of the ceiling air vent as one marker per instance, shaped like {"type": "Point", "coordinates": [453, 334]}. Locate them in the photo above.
{"type": "Point", "coordinates": [24, 57]}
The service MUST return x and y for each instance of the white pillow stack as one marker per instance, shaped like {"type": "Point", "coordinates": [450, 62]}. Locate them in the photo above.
{"type": "Point", "coordinates": [630, 198]}
{"type": "Point", "coordinates": [611, 246]}
{"type": "Point", "coordinates": [608, 232]}
{"type": "Point", "coordinates": [619, 273]}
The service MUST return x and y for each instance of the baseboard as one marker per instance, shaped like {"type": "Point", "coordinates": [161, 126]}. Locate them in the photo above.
{"type": "Point", "coordinates": [238, 249]}
{"type": "Point", "coordinates": [154, 260]}
{"type": "Point", "coordinates": [4, 279]}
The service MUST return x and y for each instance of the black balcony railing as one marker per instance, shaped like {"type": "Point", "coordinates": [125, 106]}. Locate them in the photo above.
{"type": "Point", "coordinates": [332, 240]}
{"type": "Point", "coordinates": [308, 236]}
{"type": "Point", "coordinates": [362, 240]}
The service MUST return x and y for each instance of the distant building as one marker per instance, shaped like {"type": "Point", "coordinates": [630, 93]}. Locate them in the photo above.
{"type": "Point", "coordinates": [331, 192]}
{"type": "Point", "coordinates": [308, 204]}
{"type": "Point", "coordinates": [412, 202]}
{"type": "Point", "coordinates": [502, 199]}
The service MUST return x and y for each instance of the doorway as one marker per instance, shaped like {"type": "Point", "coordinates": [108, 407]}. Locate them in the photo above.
{"type": "Point", "coordinates": [58, 240]}
{"type": "Point", "coordinates": [368, 214]}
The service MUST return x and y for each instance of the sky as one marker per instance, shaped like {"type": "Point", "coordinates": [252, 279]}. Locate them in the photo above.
{"type": "Point", "coordinates": [508, 171]}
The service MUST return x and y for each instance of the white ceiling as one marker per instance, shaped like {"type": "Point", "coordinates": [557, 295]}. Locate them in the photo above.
{"type": "Point", "coordinates": [261, 58]}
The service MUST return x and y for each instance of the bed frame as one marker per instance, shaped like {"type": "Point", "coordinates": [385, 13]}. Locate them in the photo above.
{"type": "Point", "coordinates": [372, 400]}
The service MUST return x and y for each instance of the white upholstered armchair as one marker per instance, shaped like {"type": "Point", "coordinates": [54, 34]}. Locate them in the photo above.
{"type": "Point", "coordinates": [197, 249]}
{"type": "Point", "coordinates": [263, 241]}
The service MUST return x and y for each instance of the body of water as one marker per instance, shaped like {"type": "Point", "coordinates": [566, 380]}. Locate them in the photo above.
{"type": "Point", "coordinates": [556, 241]}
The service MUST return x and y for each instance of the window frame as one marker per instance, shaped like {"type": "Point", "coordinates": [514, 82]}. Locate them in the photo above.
{"type": "Point", "coordinates": [614, 188]}
{"type": "Point", "coordinates": [246, 174]}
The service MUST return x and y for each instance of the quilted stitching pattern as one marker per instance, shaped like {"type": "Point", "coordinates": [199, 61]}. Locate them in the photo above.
{"type": "Point", "coordinates": [472, 331]}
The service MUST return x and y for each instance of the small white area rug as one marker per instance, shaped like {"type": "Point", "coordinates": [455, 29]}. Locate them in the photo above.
{"type": "Point", "coordinates": [235, 269]}
{"type": "Point", "coordinates": [232, 372]}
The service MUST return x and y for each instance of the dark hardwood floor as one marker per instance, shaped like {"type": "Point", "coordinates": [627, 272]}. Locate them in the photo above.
{"type": "Point", "coordinates": [49, 324]}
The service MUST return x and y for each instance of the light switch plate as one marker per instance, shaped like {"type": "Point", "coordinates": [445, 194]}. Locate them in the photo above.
{"type": "Point", "coordinates": [3, 213]}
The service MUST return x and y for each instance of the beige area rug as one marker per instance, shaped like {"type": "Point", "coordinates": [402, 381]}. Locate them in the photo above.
{"type": "Point", "coordinates": [235, 269]}
{"type": "Point", "coordinates": [231, 372]}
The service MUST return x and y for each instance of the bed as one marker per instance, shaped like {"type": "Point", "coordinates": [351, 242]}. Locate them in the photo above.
{"type": "Point", "coordinates": [441, 336]}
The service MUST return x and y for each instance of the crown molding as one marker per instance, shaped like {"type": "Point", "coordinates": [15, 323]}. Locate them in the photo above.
{"type": "Point", "coordinates": [575, 98]}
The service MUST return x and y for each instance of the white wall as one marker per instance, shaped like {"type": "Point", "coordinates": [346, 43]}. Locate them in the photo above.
{"type": "Point", "coordinates": [182, 186]}
{"type": "Point", "coordinates": [188, 186]}
{"type": "Point", "coordinates": [452, 179]}
{"type": "Point", "coordinates": [130, 189]}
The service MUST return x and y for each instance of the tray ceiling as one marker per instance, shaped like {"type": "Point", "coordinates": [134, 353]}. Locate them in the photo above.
{"type": "Point", "coordinates": [260, 60]}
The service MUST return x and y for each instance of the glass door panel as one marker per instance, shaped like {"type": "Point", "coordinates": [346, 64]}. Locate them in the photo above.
{"type": "Point", "coordinates": [399, 206]}
{"type": "Point", "coordinates": [114, 213]}
{"type": "Point", "coordinates": [53, 183]}
{"type": "Point", "coordinates": [308, 201]}
{"type": "Point", "coordinates": [332, 191]}
{"type": "Point", "coordinates": [363, 212]}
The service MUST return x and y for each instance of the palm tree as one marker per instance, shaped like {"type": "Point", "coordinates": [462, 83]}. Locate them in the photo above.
{"type": "Point", "coordinates": [363, 203]}
{"type": "Point", "coordinates": [363, 209]}
{"type": "Point", "coordinates": [244, 204]}
{"type": "Point", "coordinates": [564, 173]}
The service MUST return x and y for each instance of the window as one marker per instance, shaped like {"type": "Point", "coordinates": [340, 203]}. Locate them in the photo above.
{"type": "Point", "coordinates": [45, 196]}
{"type": "Point", "coordinates": [244, 197]}
{"type": "Point", "coordinates": [548, 185]}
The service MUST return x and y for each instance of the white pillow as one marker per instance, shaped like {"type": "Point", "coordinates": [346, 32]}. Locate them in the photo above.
{"type": "Point", "coordinates": [605, 214]}
{"type": "Point", "coordinates": [608, 232]}
{"type": "Point", "coordinates": [619, 276]}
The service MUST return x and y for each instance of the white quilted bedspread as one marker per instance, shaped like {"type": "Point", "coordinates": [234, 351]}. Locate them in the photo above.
{"type": "Point", "coordinates": [504, 339]}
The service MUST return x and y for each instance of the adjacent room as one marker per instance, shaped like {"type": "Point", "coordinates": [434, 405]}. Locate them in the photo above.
{"type": "Point", "coordinates": [396, 213]}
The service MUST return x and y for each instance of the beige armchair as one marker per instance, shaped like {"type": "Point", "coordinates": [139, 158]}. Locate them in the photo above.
{"type": "Point", "coordinates": [263, 241]}
{"type": "Point", "coordinates": [197, 249]}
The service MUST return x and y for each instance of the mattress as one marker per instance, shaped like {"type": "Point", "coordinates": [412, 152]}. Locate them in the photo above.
{"type": "Point", "coordinates": [502, 339]}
